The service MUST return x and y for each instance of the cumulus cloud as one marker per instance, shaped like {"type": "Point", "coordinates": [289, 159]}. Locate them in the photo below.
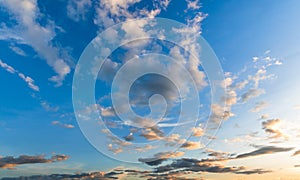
{"type": "Point", "coordinates": [29, 31]}
{"type": "Point", "coordinates": [111, 12]}
{"type": "Point", "coordinates": [152, 133]}
{"type": "Point", "coordinates": [107, 111]}
{"type": "Point", "coordinates": [197, 131]}
{"type": "Point", "coordinates": [9, 162]}
{"type": "Point", "coordinates": [174, 139]}
{"type": "Point", "coordinates": [190, 145]}
{"type": "Point", "coordinates": [30, 82]}
{"type": "Point", "coordinates": [219, 113]}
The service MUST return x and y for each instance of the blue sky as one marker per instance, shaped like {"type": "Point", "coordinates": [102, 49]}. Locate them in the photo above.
{"type": "Point", "coordinates": [42, 43]}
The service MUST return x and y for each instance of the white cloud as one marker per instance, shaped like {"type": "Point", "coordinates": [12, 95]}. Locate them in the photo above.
{"type": "Point", "coordinates": [27, 79]}
{"type": "Point", "coordinates": [193, 4]}
{"type": "Point", "coordinates": [219, 113]}
{"type": "Point", "coordinates": [29, 31]}
{"type": "Point", "coordinates": [18, 50]}
{"type": "Point", "coordinates": [7, 67]}
{"type": "Point", "coordinates": [58, 123]}
{"type": "Point", "coordinates": [77, 9]}
{"type": "Point", "coordinates": [108, 111]}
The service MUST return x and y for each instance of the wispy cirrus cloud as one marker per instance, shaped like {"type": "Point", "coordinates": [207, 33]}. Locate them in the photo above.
{"type": "Point", "coordinates": [29, 31]}
{"type": "Point", "coordinates": [30, 82]}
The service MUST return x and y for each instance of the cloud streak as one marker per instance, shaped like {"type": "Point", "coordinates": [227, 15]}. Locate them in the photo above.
{"type": "Point", "coordinates": [29, 81]}
{"type": "Point", "coordinates": [10, 162]}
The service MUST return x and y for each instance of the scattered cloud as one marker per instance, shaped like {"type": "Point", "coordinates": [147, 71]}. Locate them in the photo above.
{"type": "Point", "coordinates": [58, 123]}
{"type": "Point", "coordinates": [49, 107]}
{"type": "Point", "coordinates": [9, 162]}
{"type": "Point", "coordinates": [160, 157]}
{"type": "Point", "coordinates": [17, 50]}
{"type": "Point", "coordinates": [106, 112]}
{"type": "Point", "coordinates": [77, 9]}
{"type": "Point", "coordinates": [197, 131]}
{"type": "Point", "coordinates": [272, 126]}
{"type": "Point", "coordinates": [252, 93]}
{"type": "Point", "coordinates": [27, 79]}
{"type": "Point", "coordinates": [217, 154]}
{"type": "Point", "coordinates": [192, 145]}
{"type": "Point", "coordinates": [116, 150]}
{"type": "Point", "coordinates": [193, 4]}
{"type": "Point", "coordinates": [264, 116]}
{"type": "Point", "coordinates": [152, 133]}
{"type": "Point", "coordinates": [259, 106]}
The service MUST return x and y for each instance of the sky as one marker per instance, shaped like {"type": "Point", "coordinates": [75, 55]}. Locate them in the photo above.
{"type": "Point", "coordinates": [138, 89]}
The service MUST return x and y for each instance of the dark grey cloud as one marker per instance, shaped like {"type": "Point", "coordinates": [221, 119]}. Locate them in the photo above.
{"type": "Point", "coordinates": [196, 165]}
{"type": "Point", "coordinates": [129, 137]}
{"type": "Point", "coordinates": [158, 158]}
{"type": "Point", "coordinates": [254, 171]}
{"type": "Point", "coordinates": [9, 162]}
{"type": "Point", "coordinates": [264, 150]}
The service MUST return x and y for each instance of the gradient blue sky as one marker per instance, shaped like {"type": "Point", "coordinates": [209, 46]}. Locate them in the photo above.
{"type": "Point", "coordinates": [36, 113]}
